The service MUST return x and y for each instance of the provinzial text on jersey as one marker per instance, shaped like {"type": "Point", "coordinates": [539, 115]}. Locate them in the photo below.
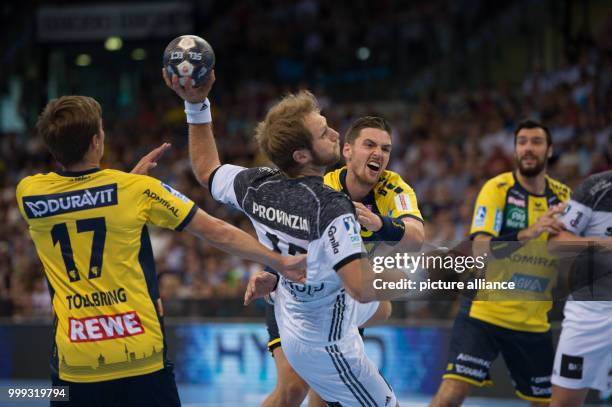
{"type": "Point", "coordinates": [41, 206]}
{"type": "Point", "coordinates": [279, 216]}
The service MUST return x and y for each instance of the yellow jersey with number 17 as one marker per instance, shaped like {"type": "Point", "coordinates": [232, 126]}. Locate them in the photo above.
{"type": "Point", "coordinates": [90, 232]}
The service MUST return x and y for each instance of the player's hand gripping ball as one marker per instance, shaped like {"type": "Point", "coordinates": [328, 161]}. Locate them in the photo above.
{"type": "Point", "coordinates": [189, 55]}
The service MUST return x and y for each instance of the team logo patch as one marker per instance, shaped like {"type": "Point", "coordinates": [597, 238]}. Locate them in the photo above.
{"type": "Point", "coordinates": [497, 225]}
{"type": "Point", "coordinates": [353, 231]}
{"type": "Point", "coordinates": [571, 366]}
{"type": "Point", "coordinates": [530, 283]}
{"type": "Point", "coordinates": [481, 216]}
{"type": "Point", "coordinates": [402, 202]}
{"type": "Point", "coordinates": [42, 206]}
{"type": "Point", "coordinates": [349, 224]}
{"type": "Point", "coordinates": [175, 192]}
{"type": "Point", "coordinates": [517, 218]}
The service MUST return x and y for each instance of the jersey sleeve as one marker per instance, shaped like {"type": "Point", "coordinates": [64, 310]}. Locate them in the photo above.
{"type": "Point", "coordinates": [221, 184]}
{"type": "Point", "coordinates": [488, 211]}
{"type": "Point", "coordinates": [342, 241]}
{"type": "Point", "coordinates": [164, 206]}
{"type": "Point", "coordinates": [402, 201]}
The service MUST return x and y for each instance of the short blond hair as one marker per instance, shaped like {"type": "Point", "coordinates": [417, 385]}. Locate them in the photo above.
{"type": "Point", "coordinates": [283, 130]}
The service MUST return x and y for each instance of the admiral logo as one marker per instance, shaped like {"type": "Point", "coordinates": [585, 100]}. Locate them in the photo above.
{"type": "Point", "coordinates": [331, 233]}
{"type": "Point", "coordinates": [571, 366]}
{"type": "Point", "coordinates": [473, 359]}
{"type": "Point", "coordinates": [42, 206]}
{"type": "Point", "coordinates": [529, 283]}
{"type": "Point", "coordinates": [162, 201]}
{"type": "Point", "coordinates": [104, 327]}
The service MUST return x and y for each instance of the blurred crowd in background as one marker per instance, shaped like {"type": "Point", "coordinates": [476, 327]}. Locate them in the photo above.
{"type": "Point", "coordinates": [450, 134]}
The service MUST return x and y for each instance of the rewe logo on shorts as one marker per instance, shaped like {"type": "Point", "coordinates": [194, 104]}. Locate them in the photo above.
{"type": "Point", "coordinates": [42, 206]}
{"type": "Point", "coordinates": [103, 327]}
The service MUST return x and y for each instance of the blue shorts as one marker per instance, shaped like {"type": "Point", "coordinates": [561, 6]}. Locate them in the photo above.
{"type": "Point", "coordinates": [529, 356]}
{"type": "Point", "coordinates": [152, 389]}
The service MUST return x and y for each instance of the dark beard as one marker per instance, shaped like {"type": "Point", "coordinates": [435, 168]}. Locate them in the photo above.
{"type": "Point", "coordinates": [530, 172]}
{"type": "Point", "coordinates": [318, 161]}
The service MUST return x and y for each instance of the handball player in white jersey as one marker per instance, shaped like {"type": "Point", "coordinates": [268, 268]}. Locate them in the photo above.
{"type": "Point", "coordinates": [294, 212]}
{"type": "Point", "coordinates": [584, 355]}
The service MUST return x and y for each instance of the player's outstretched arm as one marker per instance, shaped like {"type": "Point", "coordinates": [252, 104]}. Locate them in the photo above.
{"type": "Point", "coordinates": [230, 239]}
{"type": "Point", "coordinates": [202, 147]}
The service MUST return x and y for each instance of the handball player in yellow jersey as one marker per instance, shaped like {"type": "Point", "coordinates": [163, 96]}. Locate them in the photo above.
{"type": "Point", "coordinates": [517, 206]}
{"type": "Point", "coordinates": [89, 226]}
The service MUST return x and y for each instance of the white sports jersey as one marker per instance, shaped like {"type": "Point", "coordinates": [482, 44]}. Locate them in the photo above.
{"type": "Point", "coordinates": [300, 216]}
{"type": "Point", "coordinates": [584, 354]}
{"type": "Point", "coordinates": [589, 213]}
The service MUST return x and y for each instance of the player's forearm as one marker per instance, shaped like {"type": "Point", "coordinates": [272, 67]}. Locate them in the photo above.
{"type": "Point", "coordinates": [568, 243]}
{"type": "Point", "coordinates": [234, 241]}
{"type": "Point", "coordinates": [414, 234]}
{"type": "Point", "coordinates": [230, 239]}
{"type": "Point", "coordinates": [203, 152]}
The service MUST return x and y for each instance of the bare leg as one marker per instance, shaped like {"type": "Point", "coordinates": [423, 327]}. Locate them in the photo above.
{"type": "Point", "coordinates": [564, 397]}
{"type": "Point", "coordinates": [451, 393]}
{"type": "Point", "coordinates": [290, 389]}
{"type": "Point", "coordinates": [314, 400]}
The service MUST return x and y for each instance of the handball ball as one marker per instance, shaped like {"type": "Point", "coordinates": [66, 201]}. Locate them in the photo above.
{"type": "Point", "coordinates": [189, 55]}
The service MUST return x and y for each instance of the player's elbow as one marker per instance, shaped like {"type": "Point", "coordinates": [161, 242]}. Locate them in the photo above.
{"type": "Point", "coordinates": [385, 308]}
{"type": "Point", "coordinates": [202, 174]}
{"type": "Point", "coordinates": [361, 295]}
